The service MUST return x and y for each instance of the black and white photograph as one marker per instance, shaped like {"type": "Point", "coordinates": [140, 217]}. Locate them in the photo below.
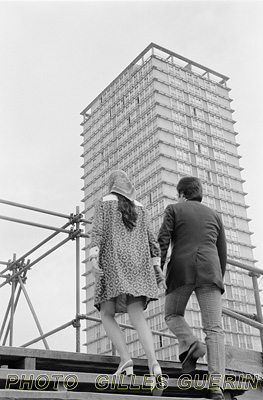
{"type": "Point", "coordinates": [131, 159]}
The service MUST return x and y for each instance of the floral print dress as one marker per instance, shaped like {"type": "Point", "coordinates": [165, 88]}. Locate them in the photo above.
{"type": "Point", "coordinates": [126, 257]}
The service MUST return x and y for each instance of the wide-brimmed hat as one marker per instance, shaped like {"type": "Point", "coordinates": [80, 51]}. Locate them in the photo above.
{"type": "Point", "coordinates": [120, 183]}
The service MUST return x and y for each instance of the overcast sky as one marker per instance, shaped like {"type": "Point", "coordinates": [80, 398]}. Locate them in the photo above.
{"type": "Point", "coordinates": [56, 57]}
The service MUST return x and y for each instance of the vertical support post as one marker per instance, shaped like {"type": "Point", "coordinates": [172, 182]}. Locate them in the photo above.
{"type": "Point", "coordinates": [6, 315]}
{"type": "Point", "coordinates": [12, 306]}
{"type": "Point", "coordinates": [77, 285]}
{"type": "Point", "coordinates": [33, 311]}
{"type": "Point", "coordinates": [4, 320]}
{"type": "Point", "coordinates": [258, 303]}
{"type": "Point", "coordinates": [8, 310]}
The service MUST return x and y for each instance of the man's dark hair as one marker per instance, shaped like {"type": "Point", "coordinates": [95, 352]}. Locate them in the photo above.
{"type": "Point", "coordinates": [191, 188]}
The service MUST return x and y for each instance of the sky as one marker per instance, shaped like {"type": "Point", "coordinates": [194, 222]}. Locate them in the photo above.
{"type": "Point", "coordinates": [56, 57]}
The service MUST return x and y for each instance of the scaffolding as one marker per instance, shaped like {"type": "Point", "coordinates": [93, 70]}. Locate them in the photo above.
{"type": "Point", "coordinates": [15, 271]}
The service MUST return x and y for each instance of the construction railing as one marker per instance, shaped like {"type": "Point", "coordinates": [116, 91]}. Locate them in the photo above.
{"type": "Point", "coordinates": [15, 272]}
{"type": "Point", "coordinates": [255, 320]}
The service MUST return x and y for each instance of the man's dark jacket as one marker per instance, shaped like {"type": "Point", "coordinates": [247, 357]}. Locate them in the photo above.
{"type": "Point", "coordinates": [198, 245]}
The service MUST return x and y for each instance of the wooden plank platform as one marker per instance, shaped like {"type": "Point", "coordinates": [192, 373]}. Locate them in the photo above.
{"type": "Point", "coordinates": [237, 361]}
{"type": "Point", "coordinates": [26, 365]}
{"type": "Point", "coordinates": [42, 380]}
{"type": "Point", "coordinates": [35, 395]}
{"type": "Point", "coordinates": [26, 379]}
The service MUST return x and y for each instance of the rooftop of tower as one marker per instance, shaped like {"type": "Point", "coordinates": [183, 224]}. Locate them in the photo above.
{"type": "Point", "coordinates": [154, 49]}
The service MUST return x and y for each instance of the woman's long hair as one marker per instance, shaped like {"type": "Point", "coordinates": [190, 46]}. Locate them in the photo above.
{"type": "Point", "coordinates": [128, 211]}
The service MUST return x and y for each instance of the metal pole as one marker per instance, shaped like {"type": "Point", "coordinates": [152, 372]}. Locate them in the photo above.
{"type": "Point", "coordinates": [48, 334]}
{"type": "Point", "coordinates": [34, 262]}
{"type": "Point", "coordinates": [88, 317]}
{"type": "Point", "coordinates": [36, 247]}
{"type": "Point", "coordinates": [12, 309]}
{"type": "Point", "coordinates": [33, 311]}
{"type": "Point", "coordinates": [20, 221]}
{"type": "Point", "coordinates": [85, 221]}
{"type": "Point", "coordinates": [77, 284]}
{"type": "Point", "coordinates": [258, 304]}
{"type": "Point", "coordinates": [245, 266]}
{"type": "Point", "coordinates": [5, 319]}
{"type": "Point", "coordinates": [7, 312]}
{"type": "Point", "coordinates": [241, 318]}
{"type": "Point", "coordinates": [11, 203]}
{"type": "Point", "coordinates": [4, 322]}
{"type": "Point", "coordinates": [84, 235]}
{"type": "Point", "coordinates": [8, 326]}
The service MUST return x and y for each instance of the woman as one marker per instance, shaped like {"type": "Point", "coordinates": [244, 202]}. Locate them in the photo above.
{"type": "Point", "coordinates": [125, 259]}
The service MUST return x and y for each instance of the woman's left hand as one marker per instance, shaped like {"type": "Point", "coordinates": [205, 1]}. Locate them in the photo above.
{"type": "Point", "coordinates": [160, 278]}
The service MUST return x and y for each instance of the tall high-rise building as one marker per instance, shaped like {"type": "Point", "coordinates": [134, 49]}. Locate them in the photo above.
{"type": "Point", "coordinates": [162, 118]}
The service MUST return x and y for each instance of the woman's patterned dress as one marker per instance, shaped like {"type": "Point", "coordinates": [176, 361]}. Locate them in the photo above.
{"type": "Point", "coordinates": [125, 257]}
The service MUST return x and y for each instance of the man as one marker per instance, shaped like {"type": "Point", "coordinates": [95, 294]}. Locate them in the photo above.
{"type": "Point", "coordinates": [197, 263]}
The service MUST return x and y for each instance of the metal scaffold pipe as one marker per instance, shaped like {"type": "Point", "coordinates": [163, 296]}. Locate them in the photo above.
{"type": "Point", "coordinates": [36, 224]}
{"type": "Point", "coordinates": [7, 312]}
{"type": "Point", "coordinates": [11, 203]}
{"type": "Point", "coordinates": [258, 304]}
{"type": "Point", "coordinates": [54, 213]}
{"type": "Point", "coordinates": [10, 265]}
{"type": "Point", "coordinates": [15, 270]}
{"type": "Point", "coordinates": [77, 285]}
{"type": "Point", "coordinates": [36, 261]}
{"type": "Point", "coordinates": [85, 221]}
{"type": "Point", "coordinates": [33, 311]}
{"type": "Point", "coordinates": [48, 334]}
{"type": "Point", "coordinates": [96, 319]}
{"type": "Point", "coordinates": [242, 318]}
{"type": "Point", "coordinates": [245, 266]}
{"type": "Point", "coordinates": [6, 316]}
{"type": "Point", "coordinates": [12, 307]}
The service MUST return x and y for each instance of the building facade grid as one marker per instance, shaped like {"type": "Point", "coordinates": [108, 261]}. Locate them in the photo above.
{"type": "Point", "coordinates": [160, 120]}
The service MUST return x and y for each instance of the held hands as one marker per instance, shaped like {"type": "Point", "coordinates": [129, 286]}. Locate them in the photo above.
{"type": "Point", "coordinates": [96, 271]}
{"type": "Point", "coordinates": [160, 279]}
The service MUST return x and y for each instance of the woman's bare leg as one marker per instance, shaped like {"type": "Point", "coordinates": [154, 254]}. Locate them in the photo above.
{"type": "Point", "coordinates": [113, 331]}
{"type": "Point", "coordinates": [135, 311]}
